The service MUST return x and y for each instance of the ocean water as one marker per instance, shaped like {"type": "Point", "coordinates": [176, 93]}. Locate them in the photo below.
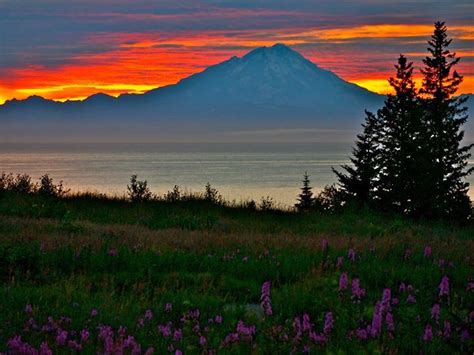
{"type": "Point", "coordinates": [238, 171]}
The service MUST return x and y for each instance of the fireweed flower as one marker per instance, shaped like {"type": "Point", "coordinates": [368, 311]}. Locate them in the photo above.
{"type": "Point", "coordinates": [202, 341]}
{"type": "Point", "coordinates": [28, 309]}
{"type": "Point", "coordinates": [168, 307]}
{"type": "Point", "coordinates": [428, 335]}
{"type": "Point", "coordinates": [376, 326]}
{"type": "Point", "coordinates": [351, 254]}
{"type": "Point", "coordinates": [148, 314]}
{"type": "Point", "coordinates": [113, 252]}
{"type": "Point", "coordinates": [306, 323]}
{"type": "Point", "coordinates": [328, 323]}
{"type": "Point", "coordinates": [386, 297]}
{"type": "Point", "coordinates": [444, 287]}
{"type": "Point", "coordinates": [357, 291]}
{"type": "Point", "coordinates": [340, 261]}
{"type": "Point", "coordinates": [61, 337]}
{"type": "Point", "coordinates": [435, 310]}
{"type": "Point", "coordinates": [411, 299]}
{"type": "Point", "coordinates": [343, 282]}
{"type": "Point", "coordinates": [465, 336]}
{"type": "Point", "coordinates": [265, 299]}
{"type": "Point", "coordinates": [218, 319]}
{"type": "Point", "coordinates": [427, 252]}
{"type": "Point", "coordinates": [402, 287]}
{"type": "Point", "coordinates": [84, 335]}
{"type": "Point", "coordinates": [177, 335]}
{"type": "Point", "coordinates": [94, 313]}
{"type": "Point", "coordinates": [44, 349]}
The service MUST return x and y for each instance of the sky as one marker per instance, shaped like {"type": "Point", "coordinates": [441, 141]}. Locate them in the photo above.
{"type": "Point", "coordinates": [71, 49]}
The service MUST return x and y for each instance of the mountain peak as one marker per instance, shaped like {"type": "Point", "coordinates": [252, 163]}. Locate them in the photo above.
{"type": "Point", "coordinates": [278, 49]}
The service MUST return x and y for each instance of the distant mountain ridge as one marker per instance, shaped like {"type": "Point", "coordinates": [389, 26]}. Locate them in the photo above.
{"type": "Point", "coordinates": [268, 88]}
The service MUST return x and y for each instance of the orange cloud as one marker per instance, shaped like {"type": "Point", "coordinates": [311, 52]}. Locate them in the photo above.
{"type": "Point", "coordinates": [142, 61]}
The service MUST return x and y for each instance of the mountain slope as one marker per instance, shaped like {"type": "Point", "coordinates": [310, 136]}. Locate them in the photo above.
{"type": "Point", "coordinates": [268, 88]}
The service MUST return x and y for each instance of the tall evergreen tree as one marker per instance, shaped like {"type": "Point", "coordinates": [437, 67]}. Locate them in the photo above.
{"type": "Point", "coordinates": [444, 117]}
{"type": "Point", "coordinates": [400, 136]}
{"type": "Point", "coordinates": [359, 183]}
{"type": "Point", "coordinates": [305, 198]}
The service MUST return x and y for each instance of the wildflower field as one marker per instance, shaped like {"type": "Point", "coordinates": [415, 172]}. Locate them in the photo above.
{"type": "Point", "coordinates": [100, 275]}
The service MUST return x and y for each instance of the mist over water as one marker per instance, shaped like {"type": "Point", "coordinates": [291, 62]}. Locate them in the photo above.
{"type": "Point", "coordinates": [239, 171]}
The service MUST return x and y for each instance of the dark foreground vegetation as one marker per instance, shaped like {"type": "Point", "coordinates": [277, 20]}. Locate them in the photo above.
{"type": "Point", "coordinates": [194, 274]}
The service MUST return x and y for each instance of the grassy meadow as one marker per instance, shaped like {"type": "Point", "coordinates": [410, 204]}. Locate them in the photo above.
{"type": "Point", "coordinates": [104, 275]}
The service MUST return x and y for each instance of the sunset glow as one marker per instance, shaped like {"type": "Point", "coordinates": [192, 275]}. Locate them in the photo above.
{"type": "Point", "coordinates": [133, 50]}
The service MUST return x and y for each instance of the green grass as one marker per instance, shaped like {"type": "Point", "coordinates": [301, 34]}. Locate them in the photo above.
{"type": "Point", "coordinates": [68, 256]}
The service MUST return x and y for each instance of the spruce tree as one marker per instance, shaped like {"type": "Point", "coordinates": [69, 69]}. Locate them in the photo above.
{"type": "Point", "coordinates": [359, 183]}
{"type": "Point", "coordinates": [400, 136]}
{"type": "Point", "coordinates": [305, 198]}
{"type": "Point", "coordinates": [444, 117]}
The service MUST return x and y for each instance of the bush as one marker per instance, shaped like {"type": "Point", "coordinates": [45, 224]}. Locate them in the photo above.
{"type": "Point", "coordinates": [173, 195]}
{"type": "Point", "coordinates": [329, 199]}
{"type": "Point", "coordinates": [22, 184]}
{"type": "Point", "coordinates": [267, 203]}
{"type": "Point", "coordinates": [6, 181]}
{"type": "Point", "coordinates": [211, 194]}
{"type": "Point", "coordinates": [138, 191]}
{"type": "Point", "coordinates": [48, 188]}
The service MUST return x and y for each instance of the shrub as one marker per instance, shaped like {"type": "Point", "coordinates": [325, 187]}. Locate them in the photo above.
{"type": "Point", "coordinates": [22, 184]}
{"type": "Point", "coordinates": [173, 195]}
{"type": "Point", "coordinates": [211, 194]}
{"type": "Point", "coordinates": [6, 181]}
{"type": "Point", "coordinates": [267, 203]}
{"type": "Point", "coordinates": [138, 191]}
{"type": "Point", "coordinates": [48, 188]}
{"type": "Point", "coordinates": [329, 199]}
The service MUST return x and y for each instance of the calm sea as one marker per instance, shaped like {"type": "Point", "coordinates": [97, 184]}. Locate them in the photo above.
{"type": "Point", "coordinates": [238, 171]}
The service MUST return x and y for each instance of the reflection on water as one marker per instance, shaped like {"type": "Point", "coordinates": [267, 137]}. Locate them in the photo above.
{"type": "Point", "coordinates": [238, 171]}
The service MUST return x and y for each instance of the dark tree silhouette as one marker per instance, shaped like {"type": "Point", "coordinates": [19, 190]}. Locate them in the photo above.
{"type": "Point", "coordinates": [358, 184]}
{"type": "Point", "coordinates": [305, 198]}
{"type": "Point", "coordinates": [400, 137]}
{"type": "Point", "coordinates": [138, 191]}
{"type": "Point", "coordinates": [444, 117]}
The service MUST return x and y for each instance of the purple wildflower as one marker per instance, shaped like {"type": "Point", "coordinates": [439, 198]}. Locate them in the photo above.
{"type": "Point", "coordinates": [94, 313]}
{"type": "Point", "coordinates": [340, 261]}
{"type": "Point", "coordinates": [328, 323]}
{"type": "Point", "coordinates": [178, 335]}
{"type": "Point", "coordinates": [351, 254]}
{"type": "Point", "coordinates": [61, 337]}
{"type": "Point", "coordinates": [148, 314]}
{"type": "Point", "coordinates": [325, 245]}
{"type": "Point", "coordinates": [357, 291]}
{"type": "Point", "coordinates": [411, 299]}
{"type": "Point", "coordinates": [444, 287]}
{"type": "Point", "coordinates": [84, 335]}
{"type": "Point", "coordinates": [435, 310]}
{"type": "Point", "coordinates": [28, 309]}
{"type": "Point", "coordinates": [45, 349]}
{"type": "Point", "coordinates": [265, 299]}
{"type": "Point", "coordinates": [218, 319]}
{"type": "Point", "coordinates": [168, 307]}
{"type": "Point", "coordinates": [428, 335]}
{"type": "Point", "coordinates": [376, 326]}
{"type": "Point", "coordinates": [202, 341]}
{"type": "Point", "coordinates": [427, 252]}
{"type": "Point", "coordinates": [343, 282]}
